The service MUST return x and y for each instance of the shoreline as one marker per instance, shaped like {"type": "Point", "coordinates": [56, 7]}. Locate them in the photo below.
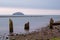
{"type": "Point", "coordinates": [43, 34]}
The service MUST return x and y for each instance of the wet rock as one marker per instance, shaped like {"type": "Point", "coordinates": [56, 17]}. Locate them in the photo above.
{"type": "Point", "coordinates": [51, 23]}
{"type": "Point", "coordinates": [26, 26]}
{"type": "Point", "coordinates": [10, 26]}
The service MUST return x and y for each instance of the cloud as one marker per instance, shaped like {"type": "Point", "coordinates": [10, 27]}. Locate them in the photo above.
{"type": "Point", "coordinates": [40, 4]}
{"type": "Point", "coordinates": [10, 11]}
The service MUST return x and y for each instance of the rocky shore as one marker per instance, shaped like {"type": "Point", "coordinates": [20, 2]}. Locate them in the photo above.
{"type": "Point", "coordinates": [44, 34]}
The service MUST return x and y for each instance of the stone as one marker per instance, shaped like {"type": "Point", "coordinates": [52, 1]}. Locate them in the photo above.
{"type": "Point", "coordinates": [26, 26]}
{"type": "Point", "coordinates": [10, 26]}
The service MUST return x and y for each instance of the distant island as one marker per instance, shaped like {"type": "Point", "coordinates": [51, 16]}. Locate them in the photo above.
{"type": "Point", "coordinates": [18, 13]}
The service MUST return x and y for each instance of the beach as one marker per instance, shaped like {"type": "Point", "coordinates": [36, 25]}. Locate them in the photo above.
{"type": "Point", "coordinates": [44, 34]}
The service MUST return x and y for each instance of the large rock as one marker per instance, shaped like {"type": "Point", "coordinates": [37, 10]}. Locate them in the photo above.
{"type": "Point", "coordinates": [26, 26]}
{"type": "Point", "coordinates": [10, 26]}
{"type": "Point", "coordinates": [51, 23]}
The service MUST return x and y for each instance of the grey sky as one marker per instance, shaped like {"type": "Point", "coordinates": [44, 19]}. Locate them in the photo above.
{"type": "Point", "coordinates": [39, 4]}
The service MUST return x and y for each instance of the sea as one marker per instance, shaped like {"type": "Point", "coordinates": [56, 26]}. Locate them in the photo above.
{"type": "Point", "coordinates": [35, 23]}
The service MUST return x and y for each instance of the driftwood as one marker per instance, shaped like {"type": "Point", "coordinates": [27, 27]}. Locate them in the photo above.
{"type": "Point", "coordinates": [10, 26]}
{"type": "Point", "coordinates": [26, 26]}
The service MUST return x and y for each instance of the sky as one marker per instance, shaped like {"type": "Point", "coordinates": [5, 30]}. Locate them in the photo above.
{"type": "Point", "coordinates": [30, 7]}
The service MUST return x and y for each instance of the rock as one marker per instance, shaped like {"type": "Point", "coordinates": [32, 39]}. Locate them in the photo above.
{"type": "Point", "coordinates": [10, 26]}
{"type": "Point", "coordinates": [26, 26]}
{"type": "Point", "coordinates": [51, 23]}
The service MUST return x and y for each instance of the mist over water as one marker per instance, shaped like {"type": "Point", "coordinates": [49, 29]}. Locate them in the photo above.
{"type": "Point", "coordinates": [18, 23]}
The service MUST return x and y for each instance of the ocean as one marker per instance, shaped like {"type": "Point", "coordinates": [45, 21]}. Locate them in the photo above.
{"type": "Point", "coordinates": [35, 22]}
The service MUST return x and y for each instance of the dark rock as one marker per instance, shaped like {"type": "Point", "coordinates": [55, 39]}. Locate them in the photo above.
{"type": "Point", "coordinates": [51, 23]}
{"type": "Point", "coordinates": [6, 37]}
{"type": "Point", "coordinates": [26, 26]}
{"type": "Point", "coordinates": [10, 26]}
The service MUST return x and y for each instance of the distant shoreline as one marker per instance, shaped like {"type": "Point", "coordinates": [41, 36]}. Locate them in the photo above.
{"type": "Point", "coordinates": [26, 15]}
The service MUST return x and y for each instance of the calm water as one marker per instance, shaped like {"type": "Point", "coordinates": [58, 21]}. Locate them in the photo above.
{"type": "Point", "coordinates": [35, 23]}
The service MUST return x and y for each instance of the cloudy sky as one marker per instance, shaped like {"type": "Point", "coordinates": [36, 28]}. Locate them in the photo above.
{"type": "Point", "coordinates": [30, 7]}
